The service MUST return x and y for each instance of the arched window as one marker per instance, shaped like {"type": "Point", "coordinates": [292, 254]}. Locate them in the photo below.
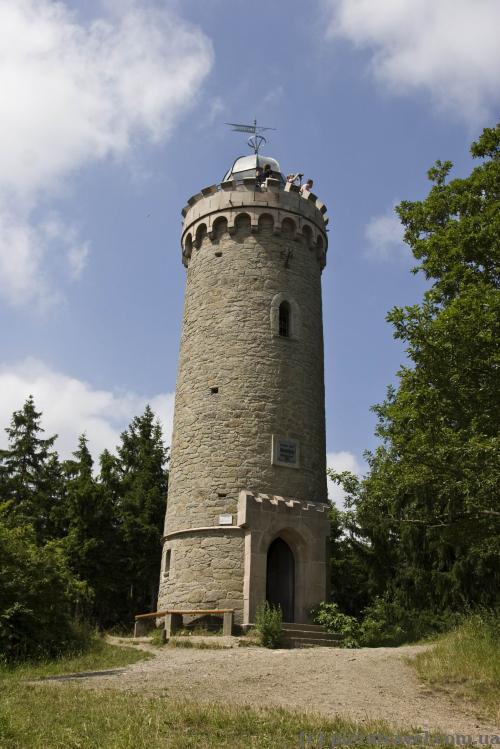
{"type": "Point", "coordinates": [288, 228]}
{"type": "Point", "coordinates": [243, 226]}
{"type": "Point", "coordinates": [308, 235]}
{"type": "Point", "coordinates": [285, 317]}
{"type": "Point", "coordinates": [284, 320]}
{"type": "Point", "coordinates": [219, 227]}
{"type": "Point", "coordinates": [201, 233]}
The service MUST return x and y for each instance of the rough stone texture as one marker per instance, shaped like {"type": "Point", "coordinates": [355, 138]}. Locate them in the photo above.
{"type": "Point", "coordinates": [205, 571]}
{"type": "Point", "coordinates": [242, 249]}
{"type": "Point", "coordinates": [305, 526]}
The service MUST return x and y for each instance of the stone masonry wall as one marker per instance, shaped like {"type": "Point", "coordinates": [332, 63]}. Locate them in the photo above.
{"type": "Point", "coordinates": [267, 385]}
{"type": "Point", "coordinates": [206, 572]}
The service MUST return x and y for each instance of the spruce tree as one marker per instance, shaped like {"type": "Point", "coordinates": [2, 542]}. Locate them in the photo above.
{"type": "Point", "coordinates": [92, 541]}
{"type": "Point", "coordinates": [143, 462]}
{"type": "Point", "coordinates": [30, 476]}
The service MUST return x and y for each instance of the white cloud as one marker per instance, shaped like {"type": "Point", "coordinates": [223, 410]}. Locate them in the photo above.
{"type": "Point", "coordinates": [61, 234]}
{"type": "Point", "coordinates": [77, 259]}
{"type": "Point", "coordinates": [71, 406]}
{"type": "Point", "coordinates": [73, 94]}
{"type": "Point", "coordinates": [24, 252]}
{"type": "Point", "coordinates": [341, 461]}
{"type": "Point", "coordinates": [447, 47]}
{"type": "Point", "coordinates": [385, 238]}
{"type": "Point", "coordinates": [273, 96]}
{"type": "Point", "coordinates": [21, 254]}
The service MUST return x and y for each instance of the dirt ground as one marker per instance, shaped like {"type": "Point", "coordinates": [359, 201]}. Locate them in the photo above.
{"type": "Point", "coordinates": [364, 684]}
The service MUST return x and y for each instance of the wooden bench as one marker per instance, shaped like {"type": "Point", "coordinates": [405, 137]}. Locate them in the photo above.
{"type": "Point", "coordinates": [173, 620]}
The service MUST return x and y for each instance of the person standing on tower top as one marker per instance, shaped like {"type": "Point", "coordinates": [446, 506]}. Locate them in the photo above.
{"type": "Point", "coordinates": [306, 188]}
{"type": "Point", "coordinates": [293, 178]}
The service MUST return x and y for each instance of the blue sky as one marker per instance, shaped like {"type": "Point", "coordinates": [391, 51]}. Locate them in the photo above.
{"type": "Point", "coordinates": [113, 114]}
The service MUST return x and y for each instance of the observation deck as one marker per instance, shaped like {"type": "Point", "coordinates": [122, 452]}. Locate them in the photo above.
{"type": "Point", "coordinates": [299, 214]}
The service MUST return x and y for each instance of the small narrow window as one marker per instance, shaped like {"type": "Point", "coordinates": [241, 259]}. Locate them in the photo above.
{"type": "Point", "coordinates": [166, 570]}
{"type": "Point", "coordinates": [214, 391]}
{"type": "Point", "coordinates": [284, 320]}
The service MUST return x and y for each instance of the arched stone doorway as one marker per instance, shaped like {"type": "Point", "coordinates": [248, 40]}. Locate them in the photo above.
{"type": "Point", "coordinates": [280, 578]}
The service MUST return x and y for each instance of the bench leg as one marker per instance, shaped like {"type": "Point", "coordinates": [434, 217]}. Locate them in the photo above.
{"type": "Point", "coordinates": [173, 622]}
{"type": "Point", "coordinates": [227, 625]}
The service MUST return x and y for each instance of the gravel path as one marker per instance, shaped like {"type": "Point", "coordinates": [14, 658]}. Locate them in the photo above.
{"type": "Point", "coordinates": [364, 684]}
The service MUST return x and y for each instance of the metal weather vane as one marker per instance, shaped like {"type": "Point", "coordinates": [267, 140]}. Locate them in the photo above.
{"type": "Point", "coordinates": [256, 140]}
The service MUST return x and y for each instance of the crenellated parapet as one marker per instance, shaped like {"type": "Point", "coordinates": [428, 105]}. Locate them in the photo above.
{"type": "Point", "coordinates": [220, 208]}
{"type": "Point", "coordinates": [269, 503]}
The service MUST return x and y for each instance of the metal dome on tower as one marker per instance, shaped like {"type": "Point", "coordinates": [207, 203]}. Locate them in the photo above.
{"type": "Point", "coordinates": [245, 166]}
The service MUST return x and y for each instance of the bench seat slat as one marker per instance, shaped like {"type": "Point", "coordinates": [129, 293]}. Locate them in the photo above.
{"type": "Point", "coordinates": [186, 612]}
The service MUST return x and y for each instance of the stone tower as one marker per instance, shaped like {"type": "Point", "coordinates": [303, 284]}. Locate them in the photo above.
{"type": "Point", "coordinates": [247, 517]}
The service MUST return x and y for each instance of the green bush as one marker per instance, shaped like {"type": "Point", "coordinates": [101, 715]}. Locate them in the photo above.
{"type": "Point", "coordinates": [384, 623]}
{"type": "Point", "coordinates": [38, 595]}
{"type": "Point", "coordinates": [336, 622]}
{"type": "Point", "coordinates": [269, 625]}
{"type": "Point", "coordinates": [389, 623]}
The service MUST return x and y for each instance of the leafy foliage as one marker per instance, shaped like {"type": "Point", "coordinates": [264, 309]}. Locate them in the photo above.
{"type": "Point", "coordinates": [269, 625]}
{"type": "Point", "coordinates": [334, 621]}
{"type": "Point", "coordinates": [75, 546]}
{"type": "Point", "coordinates": [421, 530]}
{"type": "Point", "coordinates": [37, 596]}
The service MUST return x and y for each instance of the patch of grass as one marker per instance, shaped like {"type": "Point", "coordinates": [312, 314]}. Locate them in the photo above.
{"type": "Point", "coordinates": [182, 642]}
{"type": "Point", "coordinates": [198, 632]}
{"type": "Point", "coordinates": [71, 717]}
{"type": "Point", "coordinates": [466, 662]}
{"type": "Point", "coordinates": [100, 655]}
{"type": "Point", "coordinates": [249, 642]}
{"type": "Point", "coordinates": [156, 635]}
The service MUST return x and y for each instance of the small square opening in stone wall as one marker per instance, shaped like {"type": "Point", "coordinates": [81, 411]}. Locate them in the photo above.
{"type": "Point", "coordinates": [285, 452]}
{"type": "Point", "coordinates": [168, 559]}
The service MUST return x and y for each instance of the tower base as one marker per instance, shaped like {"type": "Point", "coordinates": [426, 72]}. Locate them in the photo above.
{"type": "Point", "coordinates": [277, 551]}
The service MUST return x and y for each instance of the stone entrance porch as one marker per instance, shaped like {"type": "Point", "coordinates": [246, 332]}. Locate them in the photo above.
{"type": "Point", "coordinates": [305, 528]}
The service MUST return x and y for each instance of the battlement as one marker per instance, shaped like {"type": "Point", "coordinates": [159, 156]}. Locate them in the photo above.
{"type": "Point", "coordinates": [225, 207]}
{"type": "Point", "coordinates": [270, 503]}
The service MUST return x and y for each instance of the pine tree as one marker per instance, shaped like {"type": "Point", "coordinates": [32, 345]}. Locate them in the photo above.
{"type": "Point", "coordinates": [30, 476]}
{"type": "Point", "coordinates": [92, 542]}
{"type": "Point", "coordinates": [143, 462]}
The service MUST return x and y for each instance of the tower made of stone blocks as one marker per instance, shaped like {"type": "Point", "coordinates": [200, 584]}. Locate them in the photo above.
{"type": "Point", "coordinates": [247, 514]}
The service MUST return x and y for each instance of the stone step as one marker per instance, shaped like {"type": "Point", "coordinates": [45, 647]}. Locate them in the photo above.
{"type": "Point", "coordinates": [300, 627]}
{"type": "Point", "coordinates": [308, 635]}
